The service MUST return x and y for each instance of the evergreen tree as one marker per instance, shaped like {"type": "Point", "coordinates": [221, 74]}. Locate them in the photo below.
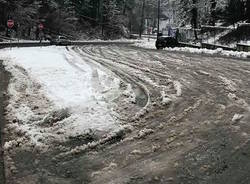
{"type": "Point", "coordinates": [234, 11]}
{"type": "Point", "coordinates": [247, 7]}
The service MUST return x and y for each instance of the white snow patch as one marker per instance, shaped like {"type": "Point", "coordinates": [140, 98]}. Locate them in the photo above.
{"type": "Point", "coordinates": [237, 117]}
{"type": "Point", "coordinates": [145, 43]}
{"type": "Point", "coordinates": [67, 81]}
{"type": "Point", "coordinates": [144, 132]}
{"type": "Point", "coordinates": [230, 85]}
{"type": "Point", "coordinates": [203, 72]}
{"type": "Point", "coordinates": [211, 52]}
{"type": "Point", "coordinates": [177, 86]}
{"type": "Point", "coordinates": [151, 45]}
{"type": "Point", "coordinates": [245, 42]}
{"type": "Point", "coordinates": [129, 94]}
{"type": "Point", "coordinates": [165, 99]}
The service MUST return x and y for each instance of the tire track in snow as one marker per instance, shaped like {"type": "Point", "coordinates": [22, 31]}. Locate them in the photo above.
{"type": "Point", "coordinates": [144, 97]}
{"type": "Point", "coordinates": [144, 70]}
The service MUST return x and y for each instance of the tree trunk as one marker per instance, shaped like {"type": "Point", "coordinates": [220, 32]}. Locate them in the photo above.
{"type": "Point", "coordinates": [142, 18]}
{"type": "Point", "coordinates": [213, 13]}
{"type": "Point", "coordinates": [194, 19]}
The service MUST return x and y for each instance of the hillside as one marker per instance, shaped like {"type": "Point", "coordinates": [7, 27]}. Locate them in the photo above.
{"type": "Point", "coordinates": [89, 18]}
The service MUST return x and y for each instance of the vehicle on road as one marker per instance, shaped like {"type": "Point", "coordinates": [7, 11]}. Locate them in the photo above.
{"type": "Point", "coordinates": [60, 40]}
{"type": "Point", "coordinates": [166, 41]}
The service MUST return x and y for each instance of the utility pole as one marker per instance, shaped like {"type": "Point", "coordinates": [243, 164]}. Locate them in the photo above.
{"type": "Point", "coordinates": [158, 24]}
{"type": "Point", "coordinates": [142, 18]}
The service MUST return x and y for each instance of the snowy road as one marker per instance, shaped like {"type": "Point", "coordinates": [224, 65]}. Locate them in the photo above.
{"type": "Point", "coordinates": [167, 117]}
{"type": "Point", "coordinates": [198, 113]}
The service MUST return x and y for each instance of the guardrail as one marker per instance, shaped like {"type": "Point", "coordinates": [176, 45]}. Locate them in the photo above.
{"type": "Point", "coordinates": [183, 44]}
{"type": "Point", "coordinates": [213, 47]}
{"type": "Point", "coordinates": [6, 38]}
{"type": "Point", "coordinates": [243, 47]}
{"type": "Point", "coordinates": [23, 44]}
{"type": "Point", "coordinates": [79, 43]}
{"type": "Point", "coordinates": [101, 42]}
{"type": "Point", "coordinates": [145, 36]}
{"type": "Point", "coordinates": [240, 47]}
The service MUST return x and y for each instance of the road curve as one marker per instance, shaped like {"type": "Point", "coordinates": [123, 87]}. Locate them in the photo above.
{"type": "Point", "coordinates": [198, 117]}
{"type": "Point", "coordinates": [189, 123]}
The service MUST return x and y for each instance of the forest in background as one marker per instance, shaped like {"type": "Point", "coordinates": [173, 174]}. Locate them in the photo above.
{"type": "Point", "coordinates": [70, 17]}
{"type": "Point", "coordinates": [113, 18]}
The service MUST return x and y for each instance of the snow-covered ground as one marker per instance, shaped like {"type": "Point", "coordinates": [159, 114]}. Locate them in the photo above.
{"type": "Point", "coordinates": [55, 93]}
{"type": "Point", "coordinates": [190, 100]}
{"type": "Point", "coordinates": [150, 44]}
{"type": "Point", "coordinates": [246, 42]}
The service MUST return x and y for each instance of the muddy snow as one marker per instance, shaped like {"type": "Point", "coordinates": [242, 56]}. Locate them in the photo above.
{"type": "Point", "coordinates": [56, 86]}
{"type": "Point", "coordinates": [120, 114]}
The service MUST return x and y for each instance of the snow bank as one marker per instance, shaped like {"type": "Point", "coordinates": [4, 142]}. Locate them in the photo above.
{"type": "Point", "coordinates": [211, 52]}
{"type": "Point", "coordinates": [246, 42]}
{"type": "Point", "coordinates": [146, 43]}
{"type": "Point", "coordinates": [151, 45]}
{"type": "Point", "coordinates": [68, 82]}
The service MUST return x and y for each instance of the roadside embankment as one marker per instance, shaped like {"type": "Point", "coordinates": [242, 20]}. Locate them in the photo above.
{"type": "Point", "coordinates": [4, 78]}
